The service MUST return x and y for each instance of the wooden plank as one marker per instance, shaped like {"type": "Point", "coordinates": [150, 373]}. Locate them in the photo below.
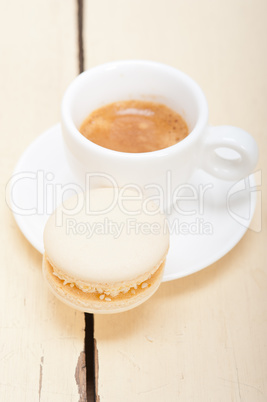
{"type": "Point", "coordinates": [201, 338]}
{"type": "Point", "coordinates": [42, 340]}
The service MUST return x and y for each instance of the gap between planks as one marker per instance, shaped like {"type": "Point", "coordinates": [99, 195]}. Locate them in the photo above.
{"type": "Point", "coordinates": [89, 342]}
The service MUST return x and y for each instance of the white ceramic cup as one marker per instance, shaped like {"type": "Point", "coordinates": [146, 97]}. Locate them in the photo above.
{"type": "Point", "coordinates": [145, 80]}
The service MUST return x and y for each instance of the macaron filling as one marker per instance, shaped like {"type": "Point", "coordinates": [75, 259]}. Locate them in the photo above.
{"type": "Point", "coordinates": [108, 292]}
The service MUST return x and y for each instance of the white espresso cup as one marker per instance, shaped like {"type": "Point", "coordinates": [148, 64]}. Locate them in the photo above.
{"type": "Point", "coordinates": [226, 152]}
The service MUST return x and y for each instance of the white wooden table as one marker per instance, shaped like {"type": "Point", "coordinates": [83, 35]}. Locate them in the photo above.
{"type": "Point", "coordinates": [201, 338]}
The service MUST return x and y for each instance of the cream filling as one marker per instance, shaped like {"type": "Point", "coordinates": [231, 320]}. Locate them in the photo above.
{"type": "Point", "coordinates": [105, 290]}
{"type": "Point", "coordinates": [101, 291]}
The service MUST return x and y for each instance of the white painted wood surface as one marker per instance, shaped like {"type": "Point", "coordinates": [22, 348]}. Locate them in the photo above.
{"type": "Point", "coordinates": [201, 338]}
{"type": "Point", "coordinates": [41, 339]}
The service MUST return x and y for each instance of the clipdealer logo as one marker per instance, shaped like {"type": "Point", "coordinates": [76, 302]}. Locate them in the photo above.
{"type": "Point", "coordinates": [49, 194]}
{"type": "Point", "coordinates": [187, 200]}
{"type": "Point", "coordinates": [250, 189]}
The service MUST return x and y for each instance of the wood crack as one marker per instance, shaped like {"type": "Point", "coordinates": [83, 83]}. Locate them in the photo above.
{"type": "Point", "coordinates": [80, 377]}
{"type": "Point", "coordinates": [41, 377]}
{"type": "Point", "coordinates": [80, 35]}
{"type": "Point", "coordinates": [90, 357]}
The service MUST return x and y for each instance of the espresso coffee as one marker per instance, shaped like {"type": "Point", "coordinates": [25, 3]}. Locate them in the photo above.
{"type": "Point", "coordinates": [134, 126]}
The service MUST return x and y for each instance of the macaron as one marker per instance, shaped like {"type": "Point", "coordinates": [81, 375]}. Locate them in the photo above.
{"type": "Point", "coordinates": [105, 250]}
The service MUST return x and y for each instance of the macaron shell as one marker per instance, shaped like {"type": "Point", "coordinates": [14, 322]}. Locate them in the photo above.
{"type": "Point", "coordinates": [90, 303]}
{"type": "Point", "coordinates": [103, 256]}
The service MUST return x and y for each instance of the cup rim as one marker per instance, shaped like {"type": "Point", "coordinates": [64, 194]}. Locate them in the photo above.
{"type": "Point", "coordinates": [89, 145]}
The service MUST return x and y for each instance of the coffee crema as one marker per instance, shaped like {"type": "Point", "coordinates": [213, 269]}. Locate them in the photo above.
{"type": "Point", "coordinates": [134, 126]}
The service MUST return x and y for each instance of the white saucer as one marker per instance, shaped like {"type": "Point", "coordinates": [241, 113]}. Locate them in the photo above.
{"type": "Point", "coordinates": [198, 240]}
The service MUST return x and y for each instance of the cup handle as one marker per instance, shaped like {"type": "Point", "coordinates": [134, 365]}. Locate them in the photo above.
{"type": "Point", "coordinates": [217, 155]}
